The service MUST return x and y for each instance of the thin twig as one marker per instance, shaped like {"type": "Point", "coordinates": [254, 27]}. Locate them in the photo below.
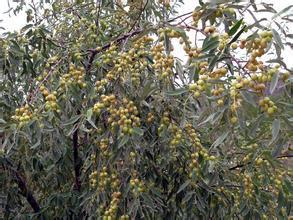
{"type": "Point", "coordinates": [242, 165]}
{"type": "Point", "coordinates": [24, 191]}
{"type": "Point", "coordinates": [94, 52]}
{"type": "Point", "coordinates": [76, 159]}
{"type": "Point", "coordinates": [33, 94]}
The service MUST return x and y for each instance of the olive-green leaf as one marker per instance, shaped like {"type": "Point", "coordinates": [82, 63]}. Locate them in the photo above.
{"type": "Point", "coordinates": [275, 129]}
{"type": "Point", "coordinates": [235, 38]}
{"type": "Point", "coordinates": [138, 131]}
{"type": "Point", "coordinates": [177, 92]}
{"type": "Point", "coordinates": [89, 113]}
{"type": "Point", "coordinates": [123, 141]}
{"type": "Point", "coordinates": [248, 97]}
{"type": "Point", "coordinates": [220, 139]}
{"type": "Point", "coordinates": [183, 186]}
{"type": "Point", "coordinates": [274, 82]}
{"type": "Point", "coordinates": [235, 27]}
{"type": "Point", "coordinates": [277, 38]}
{"type": "Point", "coordinates": [72, 120]}
{"type": "Point", "coordinates": [282, 11]}
{"type": "Point", "coordinates": [2, 121]}
{"type": "Point", "coordinates": [210, 44]}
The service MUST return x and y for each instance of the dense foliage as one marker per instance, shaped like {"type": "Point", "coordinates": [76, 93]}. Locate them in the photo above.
{"type": "Point", "coordinates": [100, 118]}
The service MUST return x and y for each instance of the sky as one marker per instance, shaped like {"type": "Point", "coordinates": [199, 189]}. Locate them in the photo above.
{"type": "Point", "coordinates": [12, 22]}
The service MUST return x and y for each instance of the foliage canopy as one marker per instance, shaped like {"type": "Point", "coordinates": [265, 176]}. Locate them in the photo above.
{"type": "Point", "coordinates": [99, 119]}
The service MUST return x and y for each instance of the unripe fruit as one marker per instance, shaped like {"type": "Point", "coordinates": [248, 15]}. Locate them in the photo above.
{"type": "Point", "coordinates": [234, 46]}
{"type": "Point", "coordinates": [220, 102]}
{"type": "Point", "coordinates": [271, 111]}
{"type": "Point", "coordinates": [234, 120]}
{"type": "Point", "coordinates": [197, 94]}
{"type": "Point", "coordinates": [192, 86]}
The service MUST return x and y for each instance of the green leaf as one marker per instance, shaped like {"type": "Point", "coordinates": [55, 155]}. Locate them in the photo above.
{"type": "Point", "coordinates": [277, 38]}
{"type": "Point", "coordinates": [89, 113]}
{"type": "Point", "coordinates": [2, 121]}
{"type": "Point", "coordinates": [248, 97]}
{"type": "Point", "coordinates": [210, 44]}
{"type": "Point", "coordinates": [36, 144]}
{"type": "Point", "coordinates": [235, 27]}
{"type": "Point", "coordinates": [72, 120]}
{"type": "Point", "coordinates": [177, 92]}
{"type": "Point", "coordinates": [138, 131]}
{"type": "Point", "coordinates": [220, 139]}
{"type": "Point", "coordinates": [213, 62]}
{"type": "Point", "coordinates": [180, 70]}
{"type": "Point", "coordinates": [235, 38]}
{"type": "Point", "coordinates": [148, 89]}
{"type": "Point", "coordinates": [123, 141]}
{"type": "Point", "coordinates": [275, 129]}
{"type": "Point", "coordinates": [148, 200]}
{"type": "Point", "coordinates": [187, 197]}
{"type": "Point", "coordinates": [274, 82]}
{"type": "Point", "coordinates": [183, 186]}
{"type": "Point", "coordinates": [89, 118]}
{"type": "Point", "coordinates": [203, 57]}
{"type": "Point", "coordinates": [282, 11]}
{"type": "Point", "coordinates": [279, 146]}
{"type": "Point", "coordinates": [26, 27]}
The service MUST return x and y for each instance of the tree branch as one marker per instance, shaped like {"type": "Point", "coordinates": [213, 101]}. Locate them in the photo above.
{"type": "Point", "coordinates": [24, 191]}
{"type": "Point", "coordinates": [76, 159]}
{"type": "Point", "coordinates": [94, 52]}
{"type": "Point", "coordinates": [242, 165]}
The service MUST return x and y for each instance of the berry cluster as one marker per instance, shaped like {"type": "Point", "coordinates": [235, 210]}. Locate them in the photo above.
{"type": "Point", "coordinates": [104, 178]}
{"type": "Point", "coordinates": [218, 91]}
{"type": "Point", "coordinates": [132, 156]}
{"type": "Point", "coordinates": [115, 182]}
{"type": "Point", "coordinates": [268, 106]}
{"type": "Point", "coordinates": [150, 117]}
{"type": "Point", "coordinates": [106, 101]}
{"type": "Point", "coordinates": [109, 55]}
{"type": "Point", "coordinates": [51, 99]}
{"type": "Point", "coordinates": [194, 166]}
{"type": "Point", "coordinates": [176, 134]}
{"type": "Point", "coordinates": [171, 33]}
{"type": "Point", "coordinates": [218, 73]}
{"type": "Point", "coordinates": [124, 217]}
{"type": "Point", "coordinates": [162, 63]}
{"type": "Point", "coordinates": [196, 143]}
{"type": "Point", "coordinates": [209, 29]}
{"type": "Point", "coordinates": [196, 16]}
{"type": "Point", "coordinates": [75, 76]}
{"type": "Point", "coordinates": [165, 122]}
{"type": "Point", "coordinates": [224, 38]}
{"type": "Point", "coordinates": [193, 52]}
{"type": "Point", "coordinates": [193, 137]}
{"type": "Point", "coordinates": [278, 179]}
{"type": "Point", "coordinates": [131, 62]}
{"type": "Point", "coordinates": [137, 186]}
{"type": "Point", "coordinates": [100, 84]}
{"type": "Point", "coordinates": [199, 86]}
{"type": "Point", "coordinates": [103, 145]}
{"type": "Point", "coordinates": [111, 212]}
{"type": "Point", "coordinates": [126, 117]}
{"type": "Point", "coordinates": [257, 48]}
{"type": "Point", "coordinates": [248, 186]}
{"type": "Point", "coordinates": [23, 114]}
{"type": "Point", "coordinates": [93, 179]}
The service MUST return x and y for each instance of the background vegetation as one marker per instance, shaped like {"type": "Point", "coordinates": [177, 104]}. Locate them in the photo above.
{"type": "Point", "coordinates": [99, 119]}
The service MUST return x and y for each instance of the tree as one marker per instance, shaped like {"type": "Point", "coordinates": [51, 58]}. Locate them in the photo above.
{"type": "Point", "coordinates": [99, 119]}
